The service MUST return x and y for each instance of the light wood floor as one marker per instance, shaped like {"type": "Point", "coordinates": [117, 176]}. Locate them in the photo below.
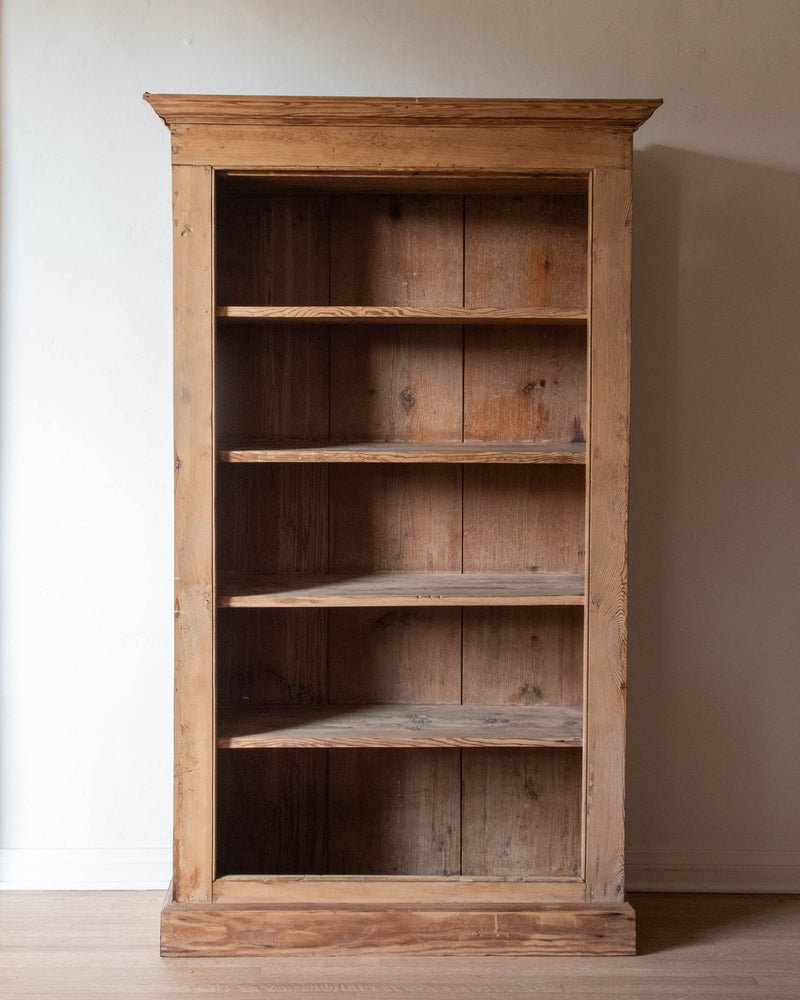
{"type": "Point", "coordinates": [105, 945]}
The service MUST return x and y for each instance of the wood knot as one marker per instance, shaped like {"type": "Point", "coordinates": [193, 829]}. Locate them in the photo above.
{"type": "Point", "coordinates": [408, 398]}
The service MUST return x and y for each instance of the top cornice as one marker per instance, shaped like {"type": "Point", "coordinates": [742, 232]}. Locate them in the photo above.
{"type": "Point", "coordinates": [204, 109]}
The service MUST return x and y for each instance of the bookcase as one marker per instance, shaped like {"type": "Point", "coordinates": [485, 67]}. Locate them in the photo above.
{"type": "Point", "coordinates": [401, 424]}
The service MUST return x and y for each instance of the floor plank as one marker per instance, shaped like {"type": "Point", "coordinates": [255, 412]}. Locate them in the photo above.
{"type": "Point", "coordinates": [105, 944]}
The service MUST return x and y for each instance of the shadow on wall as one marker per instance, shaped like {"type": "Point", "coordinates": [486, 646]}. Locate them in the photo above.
{"type": "Point", "coordinates": [715, 480]}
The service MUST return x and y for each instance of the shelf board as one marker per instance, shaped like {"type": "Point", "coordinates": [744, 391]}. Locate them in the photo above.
{"type": "Point", "coordinates": [402, 590]}
{"type": "Point", "coordinates": [402, 726]}
{"type": "Point", "coordinates": [401, 314]}
{"type": "Point", "coordinates": [566, 453]}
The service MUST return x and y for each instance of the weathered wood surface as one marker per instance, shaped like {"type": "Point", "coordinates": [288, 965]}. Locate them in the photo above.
{"type": "Point", "coordinates": [402, 314]}
{"type": "Point", "coordinates": [402, 726]}
{"type": "Point", "coordinates": [227, 929]}
{"type": "Point", "coordinates": [548, 453]}
{"type": "Point", "coordinates": [403, 590]}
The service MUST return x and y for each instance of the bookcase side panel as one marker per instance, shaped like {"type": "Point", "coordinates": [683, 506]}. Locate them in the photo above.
{"type": "Point", "coordinates": [194, 534]}
{"type": "Point", "coordinates": [607, 549]}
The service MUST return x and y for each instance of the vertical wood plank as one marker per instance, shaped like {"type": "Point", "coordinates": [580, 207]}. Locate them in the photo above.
{"type": "Point", "coordinates": [399, 383]}
{"type": "Point", "coordinates": [193, 863]}
{"type": "Point", "coordinates": [272, 816]}
{"type": "Point", "coordinates": [395, 517]}
{"type": "Point", "coordinates": [396, 250]}
{"type": "Point", "coordinates": [607, 543]}
{"type": "Point", "coordinates": [272, 382]}
{"type": "Point", "coordinates": [384, 655]}
{"type": "Point", "coordinates": [271, 656]}
{"type": "Point", "coordinates": [523, 656]}
{"type": "Point", "coordinates": [524, 519]}
{"type": "Point", "coordinates": [272, 518]}
{"type": "Point", "coordinates": [272, 250]}
{"type": "Point", "coordinates": [521, 812]}
{"type": "Point", "coordinates": [525, 383]}
{"type": "Point", "coordinates": [394, 812]}
{"type": "Point", "coordinates": [525, 250]}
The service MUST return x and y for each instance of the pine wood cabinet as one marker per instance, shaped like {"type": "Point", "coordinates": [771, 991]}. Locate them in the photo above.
{"type": "Point", "coordinates": [401, 426]}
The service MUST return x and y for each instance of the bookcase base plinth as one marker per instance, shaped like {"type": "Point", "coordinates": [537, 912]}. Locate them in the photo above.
{"type": "Point", "coordinates": [221, 929]}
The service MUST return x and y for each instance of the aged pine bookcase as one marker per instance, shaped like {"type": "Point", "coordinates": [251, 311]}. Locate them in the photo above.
{"type": "Point", "coordinates": [401, 433]}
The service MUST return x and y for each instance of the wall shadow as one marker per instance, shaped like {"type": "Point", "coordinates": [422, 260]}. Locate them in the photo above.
{"type": "Point", "coordinates": [714, 645]}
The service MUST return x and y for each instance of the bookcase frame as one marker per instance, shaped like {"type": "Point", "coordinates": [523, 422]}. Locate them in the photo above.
{"type": "Point", "coordinates": [376, 691]}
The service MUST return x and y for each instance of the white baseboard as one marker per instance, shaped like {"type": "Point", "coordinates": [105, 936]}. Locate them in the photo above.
{"type": "Point", "coordinates": [646, 871]}
{"type": "Point", "coordinates": [89, 868]}
{"type": "Point", "coordinates": [712, 871]}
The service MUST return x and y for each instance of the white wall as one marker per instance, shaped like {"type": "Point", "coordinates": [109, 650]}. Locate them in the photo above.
{"type": "Point", "coordinates": [85, 757]}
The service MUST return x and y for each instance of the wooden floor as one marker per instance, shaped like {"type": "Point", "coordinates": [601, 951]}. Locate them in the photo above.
{"type": "Point", "coordinates": [105, 944]}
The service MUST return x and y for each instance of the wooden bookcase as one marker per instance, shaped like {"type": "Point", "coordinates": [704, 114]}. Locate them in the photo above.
{"type": "Point", "coordinates": [401, 423]}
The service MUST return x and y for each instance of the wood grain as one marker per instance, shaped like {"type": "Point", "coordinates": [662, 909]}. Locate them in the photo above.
{"type": "Point", "coordinates": [525, 384]}
{"type": "Point", "coordinates": [524, 518]}
{"type": "Point", "coordinates": [488, 451]}
{"type": "Point", "coordinates": [401, 250]}
{"type": "Point", "coordinates": [521, 812]}
{"type": "Point", "coordinates": [467, 151]}
{"type": "Point", "coordinates": [194, 534]}
{"type": "Point", "coordinates": [401, 314]}
{"type": "Point", "coordinates": [607, 551]}
{"type": "Point", "coordinates": [230, 929]}
{"type": "Point", "coordinates": [399, 384]}
{"type": "Point", "coordinates": [206, 108]}
{"type": "Point", "coordinates": [525, 250]}
{"type": "Point", "coordinates": [402, 590]}
{"type": "Point", "coordinates": [272, 518]}
{"type": "Point", "coordinates": [374, 890]}
{"type": "Point", "coordinates": [401, 726]}
{"type": "Point", "coordinates": [272, 656]}
{"type": "Point", "coordinates": [523, 656]}
{"type": "Point", "coordinates": [381, 801]}
{"type": "Point", "coordinates": [394, 655]}
{"type": "Point", "coordinates": [273, 250]}
{"type": "Point", "coordinates": [273, 383]}
{"type": "Point", "coordinates": [272, 811]}
{"type": "Point", "coordinates": [395, 517]}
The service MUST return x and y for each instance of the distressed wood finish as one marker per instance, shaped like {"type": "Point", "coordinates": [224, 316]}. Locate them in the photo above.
{"type": "Point", "coordinates": [402, 314]}
{"type": "Point", "coordinates": [402, 336]}
{"type": "Point", "coordinates": [193, 109]}
{"type": "Point", "coordinates": [374, 890]}
{"type": "Point", "coordinates": [194, 533]}
{"type": "Point", "coordinates": [403, 726]}
{"type": "Point", "coordinates": [608, 524]}
{"type": "Point", "coordinates": [403, 590]}
{"type": "Point", "coordinates": [551, 453]}
{"type": "Point", "coordinates": [550, 929]}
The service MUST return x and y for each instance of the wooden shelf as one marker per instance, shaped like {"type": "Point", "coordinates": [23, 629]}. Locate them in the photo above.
{"type": "Point", "coordinates": [398, 314]}
{"type": "Point", "coordinates": [402, 726]}
{"type": "Point", "coordinates": [566, 453]}
{"type": "Point", "coordinates": [403, 590]}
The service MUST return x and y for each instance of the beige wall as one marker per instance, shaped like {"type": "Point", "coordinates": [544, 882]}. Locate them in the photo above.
{"type": "Point", "coordinates": [86, 476]}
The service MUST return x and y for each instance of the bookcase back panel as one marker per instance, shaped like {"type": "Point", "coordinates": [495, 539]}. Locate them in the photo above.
{"type": "Point", "coordinates": [521, 519]}
{"type": "Point", "coordinates": [523, 656]}
{"type": "Point", "coordinates": [272, 519]}
{"type": "Point", "coordinates": [395, 517]}
{"type": "Point", "coordinates": [383, 655]}
{"type": "Point", "coordinates": [521, 812]}
{"type": "Point", "coordinates": [400, 383]}
{"type": "Point", "coordinates": [272, 382]}
{"type": "Point", "coordinates": [525, 250]}
{"type": "Point", "coordinates": [525, 383]}
{"type": "Point", "coordinates": [305, 656]}
{"type": "Point", "coordinates": [394, 812]}
{"type": "Point", "coordinates": [267, 656]}
{"type": "Point", "coordinates": [272, 249]}
{"type": "Point", "coordinates": [271, 812]}
{"type": "Point", "coordinates": [398, 250]}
